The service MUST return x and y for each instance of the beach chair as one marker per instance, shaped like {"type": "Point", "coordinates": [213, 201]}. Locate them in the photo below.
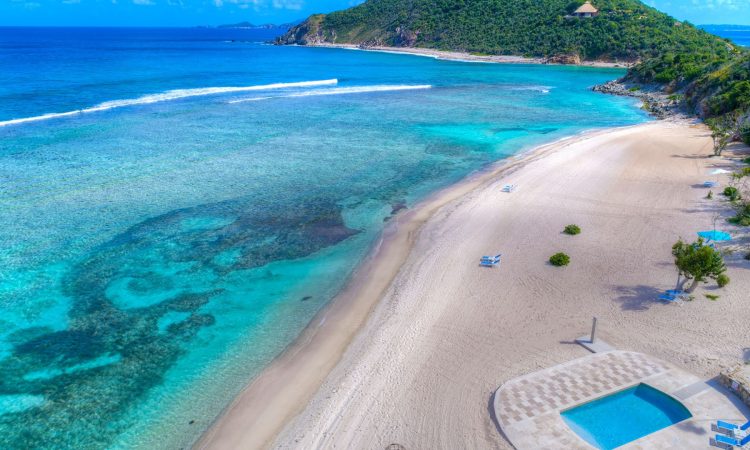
{"type": "Point", "coordinates": [709, 184]}
{"type": "Point", "coordinates": [489, 261]}
{"type": "Point", "coordinates": [733, 429]}
{"type": "Point", "coordinates": [509, 188]}
{"type": "Point", "coordinates": [672, 298]}
{"type": "Point", "coordinates": [731, 441]}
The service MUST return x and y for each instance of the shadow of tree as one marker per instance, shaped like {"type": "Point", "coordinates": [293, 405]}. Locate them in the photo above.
{"type": "Point", "coordinates": [746, 354]}
{"type": "Point", "coordinates": [637, 298]}
{"type": "Point", "coordinates": [691, 427]}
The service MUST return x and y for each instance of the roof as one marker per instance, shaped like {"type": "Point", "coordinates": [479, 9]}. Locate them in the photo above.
{"type": "Point", "coordinates": [586, 8]}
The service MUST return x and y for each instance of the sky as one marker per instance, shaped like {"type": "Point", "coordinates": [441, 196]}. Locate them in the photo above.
{"type": "Point", "coordinates": [216, 12]}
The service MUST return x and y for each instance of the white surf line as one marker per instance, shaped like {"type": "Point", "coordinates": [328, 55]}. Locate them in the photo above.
{"type": "Point", "coordinates": [340, 91]}
{"type": "Point", "coordinates": [170, 95]}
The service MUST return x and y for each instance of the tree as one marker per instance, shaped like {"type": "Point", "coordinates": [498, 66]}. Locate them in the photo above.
{"type": "Point", "coordinates": [698, 262]}
{"type": "Point", "coordinates": [721, 133]}
{"type": "Point", "coordinates": [725, 129]}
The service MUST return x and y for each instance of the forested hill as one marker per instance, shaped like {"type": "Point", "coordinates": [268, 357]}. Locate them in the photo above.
{"type": "Point", "coordinates": [624, 30]}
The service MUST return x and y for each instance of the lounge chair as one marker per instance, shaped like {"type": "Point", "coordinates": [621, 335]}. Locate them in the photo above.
{"type": "Point", "coordinates": [671, 298]}
{"type": "Point", "coordinates": [732, 428]}
{"type": "Point", "coordinates": [709, 184]}
{"type": "Point", "coordinates": [489, 261]}
{"type": "Point", "coordinates": [509, 188]}
{"type": "Point", "coordinates": [734, 442]}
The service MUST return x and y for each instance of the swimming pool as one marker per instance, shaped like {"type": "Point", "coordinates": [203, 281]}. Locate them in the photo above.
{"type": "Point", "coordinates": [625, 416]}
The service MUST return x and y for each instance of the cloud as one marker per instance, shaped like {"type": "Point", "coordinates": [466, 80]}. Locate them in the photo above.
{"type": "Point", "coordinates": [71, 2]}
{"type": "Point", "coordinates": [143, 2]}
{"type": "Point", "coordinates": [259, 5]}
{"type": "Point", "coordinates": [294, 5]}
{"type": "Point", "coordinates": [31, 5]}
{"type": "Point", "coordinates": [714, 4]}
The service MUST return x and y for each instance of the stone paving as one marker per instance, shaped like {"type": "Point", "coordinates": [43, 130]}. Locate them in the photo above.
{"type": "Point", "coordinates": [568, 384]}
{"type": "Point", "coordinates": [528, 408]}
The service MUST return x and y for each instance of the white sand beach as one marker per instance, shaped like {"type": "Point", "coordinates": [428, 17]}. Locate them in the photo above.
{"type": "Point", "coordinates": [464, 56]}
{"type": "Point", "coordinates": [412, 351]}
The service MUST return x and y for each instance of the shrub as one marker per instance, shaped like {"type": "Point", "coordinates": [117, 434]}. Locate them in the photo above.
{"type": "Point", "coordinates": [747, 160]}
{"type": "Point", "coordinates": [710, 195]}
{"type": "Point", "coordinates": [712, 297]}
{"type": "Point", "coordinates": [559, 259]}
{"type": "Point", "coordinates": [722, 280]}
{"type": "Point", "coordinates": [572, 230]}
{"type": "Point", "coordinates": [731, 192]}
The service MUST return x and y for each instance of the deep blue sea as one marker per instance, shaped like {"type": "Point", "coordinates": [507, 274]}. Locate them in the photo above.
{"type": "Point", "coordinates": [177, 204]}
{"type": "Point", "coordinates": [740, 34]}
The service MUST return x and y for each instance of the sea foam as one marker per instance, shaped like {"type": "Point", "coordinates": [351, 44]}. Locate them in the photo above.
{"type": "Point", "coordinates": [170, 95]}
{"type": "Point", "coordinates": [340, 91]}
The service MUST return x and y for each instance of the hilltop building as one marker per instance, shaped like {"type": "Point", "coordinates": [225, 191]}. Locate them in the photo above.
{"type": "Point", "coordinates": [586, 10]}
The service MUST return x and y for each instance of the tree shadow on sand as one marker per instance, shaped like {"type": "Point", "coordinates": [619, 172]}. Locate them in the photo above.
{"type": "Point", "coordinates": [637, 298]}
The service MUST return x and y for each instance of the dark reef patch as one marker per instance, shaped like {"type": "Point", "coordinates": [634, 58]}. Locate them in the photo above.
{"type": "Point", "coordinates": [93, 398]}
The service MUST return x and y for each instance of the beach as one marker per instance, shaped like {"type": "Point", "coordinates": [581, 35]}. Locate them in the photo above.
{"type": "Point", "coordinates": [192, 260]}
{"type": "Point", "coordinates": [465, 56]}
{"type": "Point", "coordinates": [412, 350]}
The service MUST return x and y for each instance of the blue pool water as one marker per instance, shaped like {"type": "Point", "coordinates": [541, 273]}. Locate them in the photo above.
{"type": "Point", "coordinates": [177, 204]}
{"type": "Point", "coordinates": [623, 417]}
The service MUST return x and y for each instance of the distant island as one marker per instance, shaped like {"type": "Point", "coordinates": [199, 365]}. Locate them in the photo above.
{"type": "Point", "coordinates": [678, 64]}
{"type": "Point", "coordinates": [265, 26]}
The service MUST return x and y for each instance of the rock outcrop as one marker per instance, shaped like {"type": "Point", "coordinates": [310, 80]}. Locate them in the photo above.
{"type": "Point", "coordinates": [655, 101]}
{"type": "Point", "coordinates": [573, 58]}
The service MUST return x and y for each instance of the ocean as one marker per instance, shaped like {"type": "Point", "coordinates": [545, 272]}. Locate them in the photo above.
{"type": "Point", "coordinates": [739, 34]}
{"type": "Point", "coordinates": [177, 204]}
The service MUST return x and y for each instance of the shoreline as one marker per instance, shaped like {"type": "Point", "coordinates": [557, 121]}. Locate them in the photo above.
{"type": "Point", "coordinates": [261, 411]}
{"type": "Point", "coordinates": [447, 55]}
{"type": "Point", "coordinates": [447, 333]}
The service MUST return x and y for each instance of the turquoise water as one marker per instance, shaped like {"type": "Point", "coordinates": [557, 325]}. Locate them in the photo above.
{"type": "Point", "coordinates": [623, 417]}
{"type": "Point", "coordinates": [177, 205]}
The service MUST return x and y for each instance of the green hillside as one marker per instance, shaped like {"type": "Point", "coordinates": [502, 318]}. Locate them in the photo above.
{"type": "Point", "coordinates": [711, 86]}
{"type": "Point", "coordinates": [624, 30]}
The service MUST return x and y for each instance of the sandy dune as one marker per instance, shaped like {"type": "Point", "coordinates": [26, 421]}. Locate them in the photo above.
{"type": "Point", "coordinates": [447, 332]}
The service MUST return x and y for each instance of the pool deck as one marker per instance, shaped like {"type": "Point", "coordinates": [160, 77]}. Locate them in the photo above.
{"type": "Point", "coordinates": [528, 408]}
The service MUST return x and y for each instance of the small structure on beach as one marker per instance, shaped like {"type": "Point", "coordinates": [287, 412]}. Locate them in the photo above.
{"type": "Point", "coordinates": [586, 10]}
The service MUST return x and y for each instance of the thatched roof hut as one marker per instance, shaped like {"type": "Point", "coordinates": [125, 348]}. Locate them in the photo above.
{"type": "Point", "coordinates": [586, 10]}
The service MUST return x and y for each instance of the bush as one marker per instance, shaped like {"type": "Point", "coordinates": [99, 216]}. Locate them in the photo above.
{"type": "Point", "coordinates": [731, 192]}
{"type": "Point", "coordinates": [712, 297]}
{"type": "Point", "coordinates": [559, 259]}
{"type": "Point", "coordinates": [572, 230]}
{"type": "Point", "coordinates": [722, 280]}
{"type": "Point", "coordinates": [710, 195]}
